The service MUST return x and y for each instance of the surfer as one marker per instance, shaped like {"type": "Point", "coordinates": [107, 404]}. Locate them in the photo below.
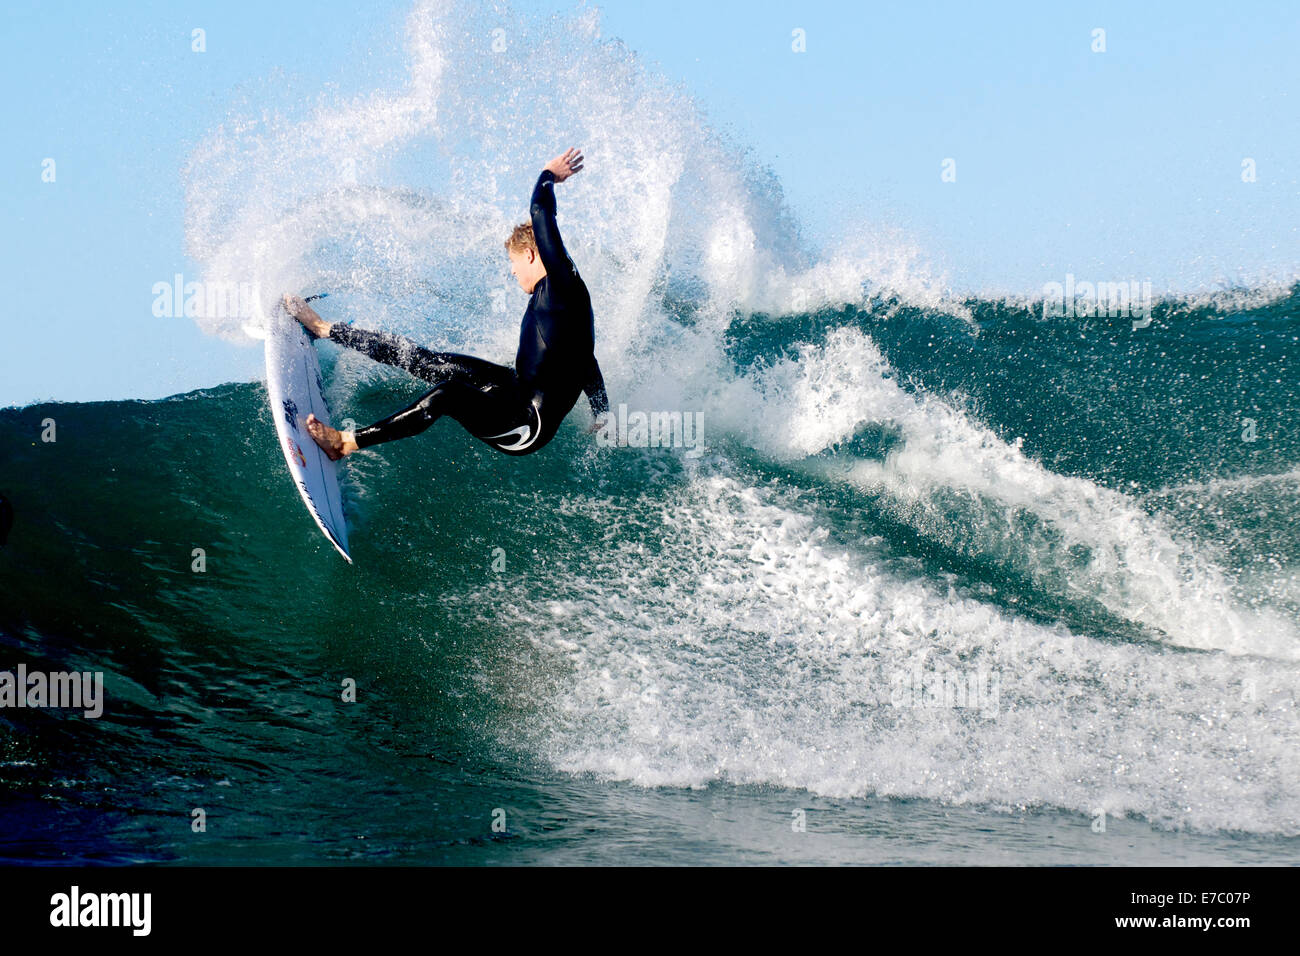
{"type": "Point", "coordinates": [516, 411]}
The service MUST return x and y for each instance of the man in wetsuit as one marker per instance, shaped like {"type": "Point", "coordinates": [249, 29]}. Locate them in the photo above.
{"type": "Point", "coordinates": [515, 411]}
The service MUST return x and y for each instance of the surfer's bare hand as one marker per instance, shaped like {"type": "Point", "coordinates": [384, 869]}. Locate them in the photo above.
{"type": "Point", "coordinates": [566, 164]}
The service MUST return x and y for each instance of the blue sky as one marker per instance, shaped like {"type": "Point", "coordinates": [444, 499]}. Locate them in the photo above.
{"type": "Point", "coordinates": [1123, 164]}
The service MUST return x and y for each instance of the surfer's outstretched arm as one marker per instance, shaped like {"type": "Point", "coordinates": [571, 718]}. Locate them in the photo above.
{"type": "Point", "coordinates": [546, 232]}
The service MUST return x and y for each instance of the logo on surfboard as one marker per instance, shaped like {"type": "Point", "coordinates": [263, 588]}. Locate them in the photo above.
{"type": "Point", "coordinates": [295, 451]}
{"type": "Point", "coordinates": [290, 413]}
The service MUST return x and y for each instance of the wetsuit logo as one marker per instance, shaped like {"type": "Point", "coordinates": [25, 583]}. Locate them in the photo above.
{"type": "Point", "coordinates": [525, 433]}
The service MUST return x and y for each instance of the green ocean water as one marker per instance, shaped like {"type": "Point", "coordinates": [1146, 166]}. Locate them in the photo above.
{"type": "Point", "coordinates": [633, 655]}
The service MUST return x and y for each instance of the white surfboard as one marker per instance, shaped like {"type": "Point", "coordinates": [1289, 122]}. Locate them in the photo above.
{"type": "Point", "coordinates": [293, 384]}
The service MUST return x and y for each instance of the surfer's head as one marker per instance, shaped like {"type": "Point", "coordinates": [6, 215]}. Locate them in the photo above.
{"type": "Point", "coordinates": [525, 264]}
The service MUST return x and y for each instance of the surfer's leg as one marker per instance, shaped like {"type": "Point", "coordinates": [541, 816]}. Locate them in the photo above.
{"type": "Point", "coordinates": [335, 443]}
{"type": "Point", "coordinates": [435, 367]}
{"type": "Point", "coordinates": [483, 396]}
{"type": "Point", "coordinates": [297, 307]}
{"type": "Point", "coordinates": [496, 411]}
{"type": "Point", "coordinates": [477, 406]}
{"type": "Point", "coordinates": [486, 409]}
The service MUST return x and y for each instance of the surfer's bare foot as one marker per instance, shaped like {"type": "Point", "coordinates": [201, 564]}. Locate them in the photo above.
{"type": "Point", "coordinates": [333, 442]}
{"type": "Point", "coordinates": [305, 314]}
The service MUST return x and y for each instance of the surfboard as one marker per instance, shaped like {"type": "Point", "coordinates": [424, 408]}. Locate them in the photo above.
{"type": "Point", "coordinates": [294, 387]}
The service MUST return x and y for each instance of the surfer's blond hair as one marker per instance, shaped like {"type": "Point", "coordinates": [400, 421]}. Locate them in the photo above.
{"type": "Point", "coordinates": [522, 238]}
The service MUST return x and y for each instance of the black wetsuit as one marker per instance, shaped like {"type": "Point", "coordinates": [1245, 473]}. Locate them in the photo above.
{"type": "Point", "coordinates": [515, 411]}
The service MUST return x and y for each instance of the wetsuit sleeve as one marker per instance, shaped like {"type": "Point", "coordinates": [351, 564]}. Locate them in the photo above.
{"type": "Point", "coordinates": [595, 389]}
{"type": "Point", "coordinates": [559, 267]}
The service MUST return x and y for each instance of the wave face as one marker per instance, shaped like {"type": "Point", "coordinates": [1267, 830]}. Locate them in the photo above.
{"type": "Point", "coordinates": [935, 547]}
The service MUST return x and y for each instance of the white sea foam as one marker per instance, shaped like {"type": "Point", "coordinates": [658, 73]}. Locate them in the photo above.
{"type": "Point", "coordinates": [747, 646]}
